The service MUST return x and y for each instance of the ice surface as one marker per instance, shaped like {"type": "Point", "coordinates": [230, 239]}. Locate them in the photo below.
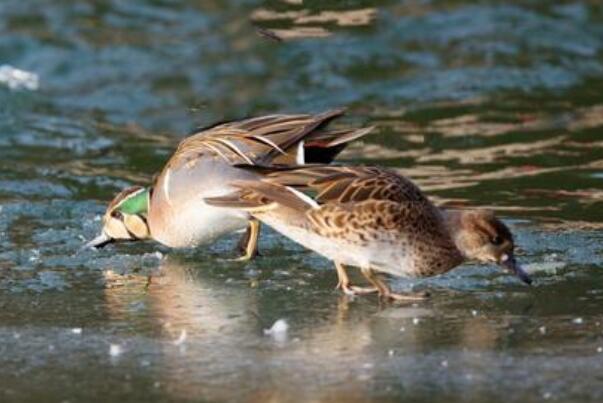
{"type": "Point", "coordinates": [278, 331]}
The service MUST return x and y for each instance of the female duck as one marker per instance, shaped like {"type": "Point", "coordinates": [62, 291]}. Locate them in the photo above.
{"type": "Point", "coordinates": [374, 219]}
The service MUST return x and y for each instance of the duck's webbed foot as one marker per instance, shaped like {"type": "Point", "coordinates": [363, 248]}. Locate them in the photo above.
{"type": "Point", "coordinates": [344, 283]}
{"type": "Point", "coordinates": [386, 292]}
{"type": "Point", "coordinates": [248, 244]}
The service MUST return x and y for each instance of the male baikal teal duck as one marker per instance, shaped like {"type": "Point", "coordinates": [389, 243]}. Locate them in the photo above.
{"type": "Point", "coordinates": [374, 219]}
{"type": "Point", "coordinates": [173, 211]}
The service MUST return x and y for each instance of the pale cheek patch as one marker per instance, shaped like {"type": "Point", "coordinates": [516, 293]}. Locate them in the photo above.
{"type": "Point", "coordinates": [116, 229]}
{"type": "Point", "coordinates": [137, 226]}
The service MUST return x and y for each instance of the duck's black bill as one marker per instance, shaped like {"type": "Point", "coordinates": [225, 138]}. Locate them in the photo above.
{"type": "Point", "coordinates": [99, 242]}
{"type": "Point", "coordinates": [515, 268]}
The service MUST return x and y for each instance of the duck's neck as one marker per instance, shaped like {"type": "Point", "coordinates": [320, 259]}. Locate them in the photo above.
{"type": "Point", "coordinates": [454, 220]}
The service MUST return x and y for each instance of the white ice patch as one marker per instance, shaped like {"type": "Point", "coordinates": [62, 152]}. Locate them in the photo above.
{"type": "Point", "coordinates": [278, 331]}
{"type": "Point", "coordinates": [17, 79]}
{"type": "Point", "coordinates": [544, 267]}
{"type": "Point", "coordinates": [115, 350]}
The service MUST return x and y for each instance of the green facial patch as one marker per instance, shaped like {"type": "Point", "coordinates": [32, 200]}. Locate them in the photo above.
{"type": "Point", "coordinates": [137, 203]}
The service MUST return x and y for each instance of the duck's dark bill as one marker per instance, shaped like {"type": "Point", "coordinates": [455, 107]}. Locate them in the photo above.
{"type": "Point", "coordinates": [99, 242]}
{"type": "Point", "coordinates": [512, 265]}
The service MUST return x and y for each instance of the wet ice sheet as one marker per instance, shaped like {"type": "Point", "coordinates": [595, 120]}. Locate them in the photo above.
{"type": "Point", "coordinates": [473, 343]}
{"type": "Point", "coordinates": [480, 334]}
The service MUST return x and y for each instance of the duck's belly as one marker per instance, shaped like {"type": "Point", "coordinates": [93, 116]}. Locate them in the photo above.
{"type": "Point", "coordinates": [178, 215]}
{"type": "Point", "coordinates": [383, 256]}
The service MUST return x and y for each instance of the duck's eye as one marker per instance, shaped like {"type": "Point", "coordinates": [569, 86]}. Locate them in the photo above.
{"type": "Point", "coordinates": [496, 240]}
{"type": "Point", "coordinates": [117, 214]}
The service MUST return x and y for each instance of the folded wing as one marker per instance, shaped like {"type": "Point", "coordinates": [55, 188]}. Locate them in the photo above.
{"type": "Point", "coordinates": [272, 139]}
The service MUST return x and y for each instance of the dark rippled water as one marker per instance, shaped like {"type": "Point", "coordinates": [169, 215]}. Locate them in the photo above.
{"type": "Point", "coordinates": [496, 104]}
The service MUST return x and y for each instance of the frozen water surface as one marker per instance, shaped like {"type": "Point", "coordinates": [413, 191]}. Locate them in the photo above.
{"type": "Point", "coordinates": [496, 105]}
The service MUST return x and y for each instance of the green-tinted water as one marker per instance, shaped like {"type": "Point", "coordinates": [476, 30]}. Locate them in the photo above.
{"type": "Point", "coordinates": [482, 103]}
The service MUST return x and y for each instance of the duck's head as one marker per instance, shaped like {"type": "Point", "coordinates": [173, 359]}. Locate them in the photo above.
{"type": "Point", "coordinates": [125, 218]}
{"type": "Point", "coordinates": [480, 236]}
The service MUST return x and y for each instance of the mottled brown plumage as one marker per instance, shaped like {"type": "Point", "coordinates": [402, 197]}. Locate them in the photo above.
{"type": "Point", "coordinates": [372, 218]}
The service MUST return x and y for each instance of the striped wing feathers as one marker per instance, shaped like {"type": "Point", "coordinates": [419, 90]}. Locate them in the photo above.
{"type": "Point", "coordinates": [258, 140]}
